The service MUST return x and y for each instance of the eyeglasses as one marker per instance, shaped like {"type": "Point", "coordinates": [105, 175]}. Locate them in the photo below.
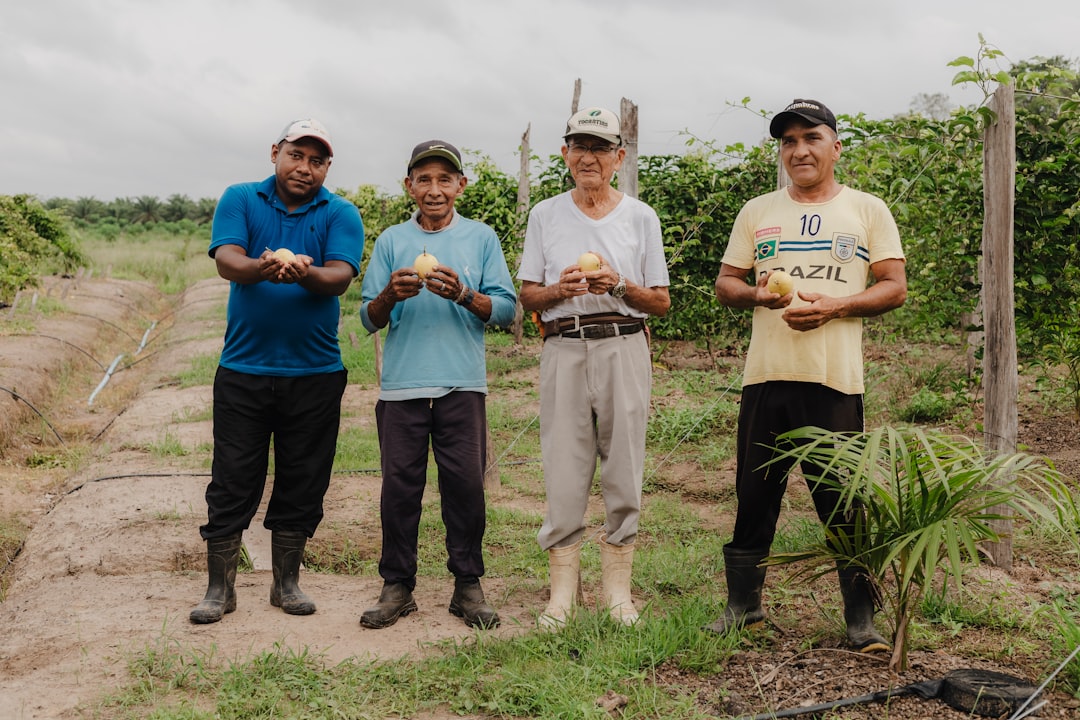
{"type": "Point", "coordinates": [598, 151]}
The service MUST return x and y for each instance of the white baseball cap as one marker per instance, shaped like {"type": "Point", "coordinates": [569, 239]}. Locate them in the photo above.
{"type": "Point", "coordinates": [597, 122]}
{"type": "Point", "coordinates": [308, 127]}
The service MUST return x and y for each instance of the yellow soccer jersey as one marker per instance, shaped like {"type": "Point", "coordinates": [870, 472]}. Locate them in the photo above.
{"type": "Point", "coordinates": [827, 248]}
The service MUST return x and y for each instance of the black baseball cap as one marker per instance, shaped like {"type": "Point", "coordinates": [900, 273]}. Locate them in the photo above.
{"type": "Point", "coordinates": [435, 149]}
{"type": "Point", "coordinates": [811, 111]}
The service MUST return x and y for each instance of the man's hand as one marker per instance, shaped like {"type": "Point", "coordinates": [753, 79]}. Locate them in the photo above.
{"type": "Point", "coordinates": [819, 310]}
{"type": "Point", "coordinates": [404, 284]}
{"type": "Point", "coordinates": [767, 298]}
{"type": "Point", "coordinates": [444, 282]}
{"type": "Point", "coordinates": [599, 281]}
{"type": "Point", "coordinates": [278, 271]}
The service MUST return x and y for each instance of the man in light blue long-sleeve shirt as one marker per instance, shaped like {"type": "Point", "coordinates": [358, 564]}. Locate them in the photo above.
{"type": "Point", "coordinates": [434, 380]}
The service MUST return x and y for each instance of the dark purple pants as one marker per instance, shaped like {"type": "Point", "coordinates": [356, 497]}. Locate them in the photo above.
{"type": "Point", "coordinates": [456, 427]}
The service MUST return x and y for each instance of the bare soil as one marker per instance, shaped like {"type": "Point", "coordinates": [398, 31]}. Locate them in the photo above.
{"type": "Point", "coordinates": [113, 561]}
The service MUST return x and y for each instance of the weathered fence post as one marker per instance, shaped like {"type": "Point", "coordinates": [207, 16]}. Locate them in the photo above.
{"type": "Point", "coordinates": [628, 173]}
{"type": "Point", "coordinates": [1000, 383]}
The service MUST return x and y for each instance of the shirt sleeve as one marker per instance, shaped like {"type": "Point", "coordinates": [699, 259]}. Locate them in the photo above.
{"type": "Point", "coordinates": [376, 276]}
{"type": "Point", "coordinates": [345, 240]}
{"type": "Point", "coordinates": [230, 225]}
{"type": "Point", "coordinates": [497, 283]}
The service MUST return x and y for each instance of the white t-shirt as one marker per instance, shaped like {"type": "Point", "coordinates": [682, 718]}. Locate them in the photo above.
{"type": "Point", "coordinates": [628, 237]}
{"type": "Point", "coordinates": [827, 248]}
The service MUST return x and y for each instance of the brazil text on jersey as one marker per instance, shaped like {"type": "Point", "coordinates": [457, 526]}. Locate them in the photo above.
{"type": "Point", "coordinates": [812, 272]}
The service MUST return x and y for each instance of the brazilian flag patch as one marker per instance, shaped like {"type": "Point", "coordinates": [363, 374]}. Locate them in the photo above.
{"type": "Point", "coordinates": [767, 248]}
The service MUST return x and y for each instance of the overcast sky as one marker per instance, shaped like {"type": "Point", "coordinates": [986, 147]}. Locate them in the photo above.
{"type": "Point", "coordinates": [121, 98]}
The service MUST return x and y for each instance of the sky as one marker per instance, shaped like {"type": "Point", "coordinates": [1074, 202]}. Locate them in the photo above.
{"type": "Point", "coordinates": [124, 98]}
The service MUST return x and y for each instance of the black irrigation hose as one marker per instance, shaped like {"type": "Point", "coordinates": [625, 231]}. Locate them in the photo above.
{"type": "Point", "coordinates": [69, 344]}
{"type": "Point", "coordinates": [129, 305]}
{"type": "Point", "coordinates": [103, 320]}
{"type": "Point", "coordinates": [126, 476]}
{"type": "Point", "coordinates": [17, 396]}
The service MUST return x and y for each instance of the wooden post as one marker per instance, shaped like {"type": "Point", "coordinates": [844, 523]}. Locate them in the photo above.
{"type": "Point", "coordinates": [518, 328]}
{"type": "Point", "coordinates": [577, 96]}
{"type": "Point", "coordinates": [491, 465]}
{"type": "Point", "coordinates": [378, 356]}
{"type": "Point", "coordinates": [628, 123]}
{"type": "Point", "coordinates": [1000, 383]}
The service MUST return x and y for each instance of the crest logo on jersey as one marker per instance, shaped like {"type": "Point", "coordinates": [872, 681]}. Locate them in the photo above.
{"type": "Point", "coordinates": [844, 247]}
{"type": "Point", "coordinates": [766, 249]}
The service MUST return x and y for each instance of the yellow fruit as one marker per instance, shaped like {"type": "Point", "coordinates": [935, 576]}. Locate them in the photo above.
{"type": "Point", "coordinates": [285, 255]}
{"type": "Point", "coordinates": [424, 263]}
{"type": "Point", "coordinates": [588, 262]}
{"type": "Point", "coordinates": [780, 283]}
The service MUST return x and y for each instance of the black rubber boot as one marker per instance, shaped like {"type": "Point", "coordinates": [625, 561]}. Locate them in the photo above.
{"type": "Point", "coordinates": [286, 554]}
{"type": "Point", "coordinates": [222, 557]}
{"type": "Point", "coordinates": [859, 605]}
{"type": "Point", "coordinates": [468, 603]}
{"type": "Point", "coordinates": [395, 601]}
{"type": "Point", "coordinates": [744, 581]}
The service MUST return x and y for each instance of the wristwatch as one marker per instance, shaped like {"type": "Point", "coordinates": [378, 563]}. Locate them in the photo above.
{"type": "Point", "coordinates": [618, 290]}
{"type": "Point", "coordinates": [466, 298]}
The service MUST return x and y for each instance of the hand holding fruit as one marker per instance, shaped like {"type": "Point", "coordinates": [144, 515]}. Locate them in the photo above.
{"type": "Point", "coordinates": [438, 279]}
{"type": "Point", "coordinates": [775, 290]}
{"type": "Point", "coordinates": [597, 273]}
{"type": "Point", "coordinates": [283, 265]}
{"type": "Point", "coordinates": [424, 263]}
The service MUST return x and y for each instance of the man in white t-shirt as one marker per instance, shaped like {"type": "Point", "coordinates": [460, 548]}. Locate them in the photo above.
{"type": "Point", "coordinates": [596, 369]}
{"type": "Point", "coordinates": [804, 366]}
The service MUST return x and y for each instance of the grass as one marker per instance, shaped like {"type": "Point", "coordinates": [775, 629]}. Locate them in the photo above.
{"type": "Point", "coordinates": [170, 263]}
{"type": "Point", "coordinates": [539, 675]}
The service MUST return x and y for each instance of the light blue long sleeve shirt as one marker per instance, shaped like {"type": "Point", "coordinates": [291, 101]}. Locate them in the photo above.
{"type": "Point", "coordinates": [432, 345]}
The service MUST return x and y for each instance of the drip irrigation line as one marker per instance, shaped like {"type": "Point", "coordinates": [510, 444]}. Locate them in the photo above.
{"type": "Point", "coordinates": [44, 419]}
{"type": "Point", "coordinates": [128, 476]}
{"type": "Point", "coordinates": [62, 340]}
{"type": "Point", "coordinates": [128, 305]}
{"type": "Point", "coordinates": [173, 312]}
{"type": "Point", "coordinates": [727, 391]}
{"type": "Point", "coordinates": [103, 320]}
{"type": "Point", "coordinates": [1017, 715]}
{"type": "Point", "coordinates": [517, 437]}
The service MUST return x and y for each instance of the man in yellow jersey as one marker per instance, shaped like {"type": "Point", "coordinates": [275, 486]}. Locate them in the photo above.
{"type": "Point", "coordinates": [804, 366]}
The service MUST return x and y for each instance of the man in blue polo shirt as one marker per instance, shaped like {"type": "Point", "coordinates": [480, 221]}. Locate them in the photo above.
{"type": "Point", "coordinates": [289, 247]}
{"type": "Point", "coordinates": [434, 380]}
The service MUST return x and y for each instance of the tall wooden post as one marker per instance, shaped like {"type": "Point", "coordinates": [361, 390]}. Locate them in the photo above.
{"type": "Point", "coordinates": [628, 124]}
{"type": "Point", "coordinates": [1000, 383]}
{"type": "Point", "coordinates": [518, 328]}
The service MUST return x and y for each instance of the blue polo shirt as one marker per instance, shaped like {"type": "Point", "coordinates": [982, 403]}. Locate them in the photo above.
{"type": "Point", "coordinates": [281, 329]}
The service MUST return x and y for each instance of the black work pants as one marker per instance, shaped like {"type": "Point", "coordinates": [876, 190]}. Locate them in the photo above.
{"type": "Point", "coordinates": [302, 415]}
{"type": "Point", "coordinates": [456, 426]}
{"type": "Point", "coordinates": [767, 410]}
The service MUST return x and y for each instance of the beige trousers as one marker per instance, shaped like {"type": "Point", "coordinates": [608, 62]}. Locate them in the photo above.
{"type": "Point", "coordinates": [594, 402]}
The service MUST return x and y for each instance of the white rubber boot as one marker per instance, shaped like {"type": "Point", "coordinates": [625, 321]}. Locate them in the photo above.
{"type": "Point", "coordinates": [564, 568]}
{"type": "Point", "coordinates": [616, 562]}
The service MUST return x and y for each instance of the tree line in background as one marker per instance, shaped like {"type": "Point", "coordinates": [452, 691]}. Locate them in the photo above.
{"type": "Point", "coordinates": [926, 164]}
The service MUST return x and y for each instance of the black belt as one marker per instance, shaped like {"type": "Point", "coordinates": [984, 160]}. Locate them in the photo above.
{"type": "Point", "coordinates": [595, 331]}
